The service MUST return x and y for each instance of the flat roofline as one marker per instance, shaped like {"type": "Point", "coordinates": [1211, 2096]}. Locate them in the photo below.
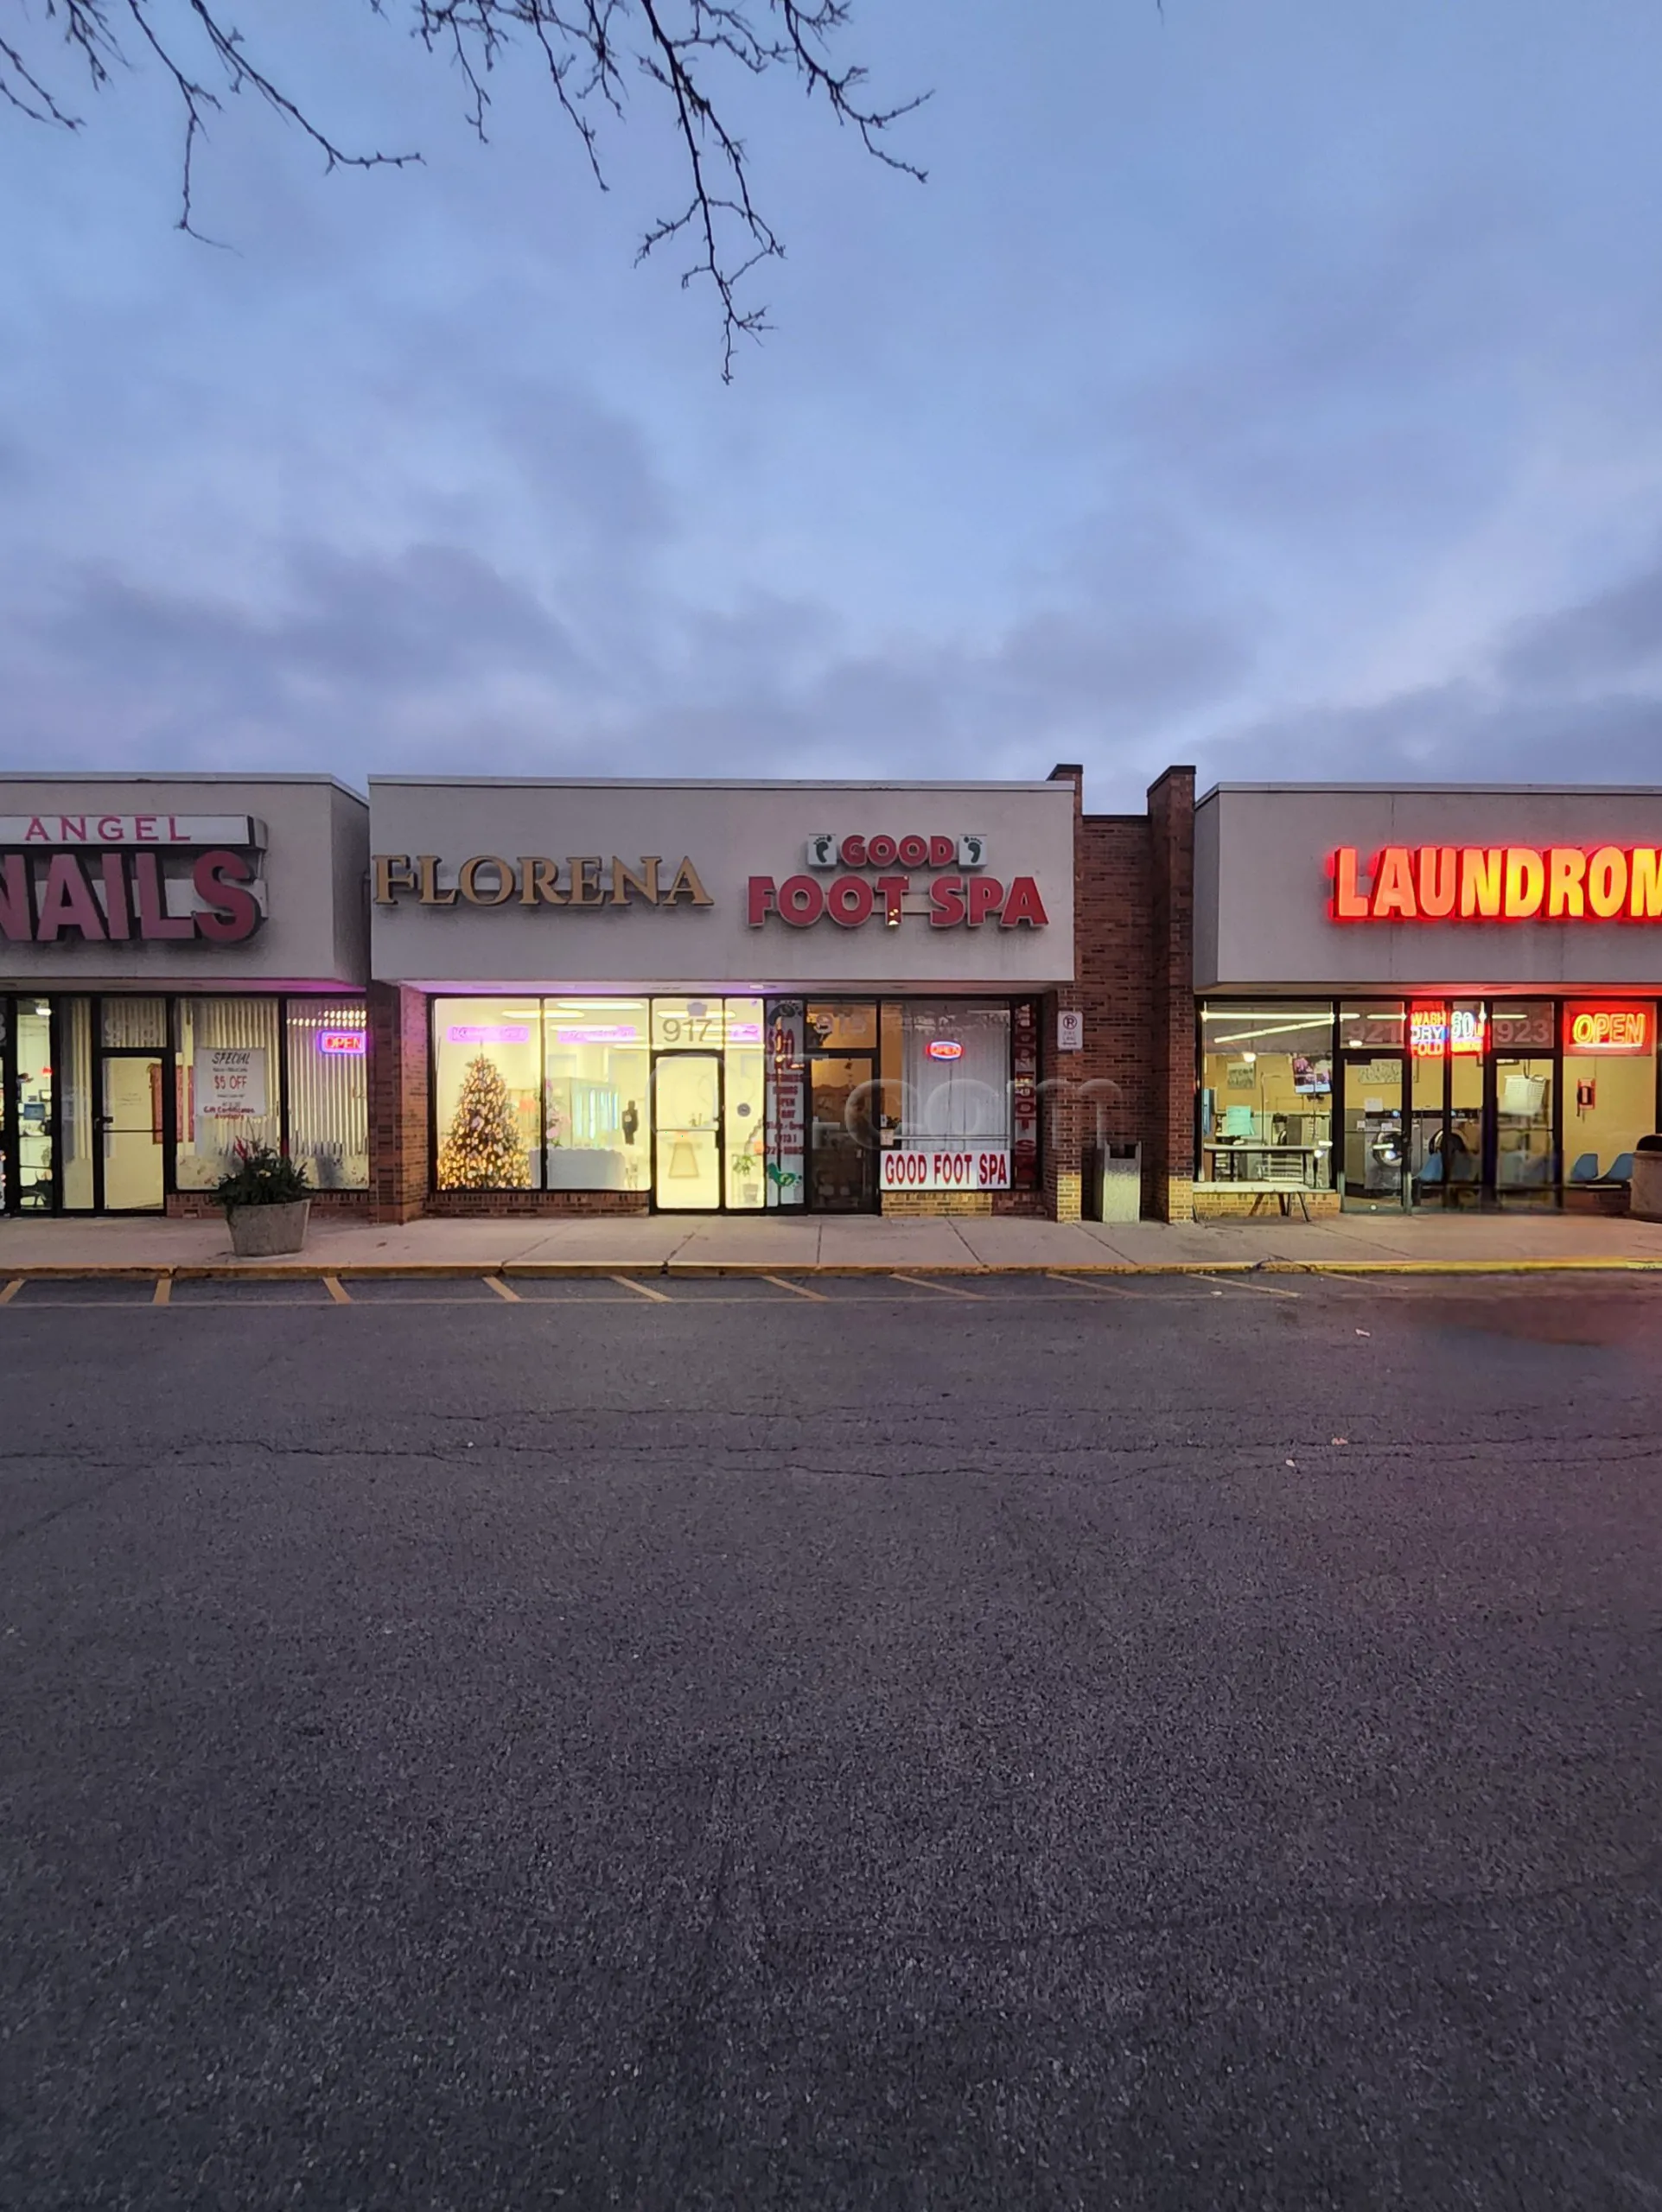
{"type": "Point", "coordinates": [1442, 790]}
{"type": "Point", "coordinates": [184, 776]}
{"type": "Point", "coordinates": [703, 783]}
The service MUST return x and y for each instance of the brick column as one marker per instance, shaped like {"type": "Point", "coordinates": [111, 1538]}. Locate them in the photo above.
{"type": "Point", "coordinates": [1171, 837]}
{"type": "Point", "coordinates": [398, 1102]}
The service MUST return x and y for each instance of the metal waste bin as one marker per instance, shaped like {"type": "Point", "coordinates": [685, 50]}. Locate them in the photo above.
{"type": "Point", "coordinates": [1112, 1184]}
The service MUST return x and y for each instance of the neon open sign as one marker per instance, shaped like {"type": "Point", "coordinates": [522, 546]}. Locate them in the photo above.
{"type": "Point", "coordinates": [944, 1048]}
{"type": "Point", "coordinates": [341, 1044]}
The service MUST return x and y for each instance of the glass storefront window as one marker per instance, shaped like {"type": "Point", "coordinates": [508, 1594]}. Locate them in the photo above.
{"type": "Point", "coordinates": [744, 1106]}
{"type": "Point", "coordinates": [1610, 1087]}
{"type": "Point", "coordinates": [227, 1077]}
{"type": "Point", "coordinates": [597, 1094]}
{"type": "Point", "coordinates": [955, 1071]}
{"type": "Point", "coordinates": [836, 1027]}
{"type": "Point", "coordinates": [73, 1079]}
{"type": "Point", "coordinates": [1375, 1026]}
{"type": "Point", "coordinates": [488, 1057]}
{"type": "Point", "coordinates": [1266, 1094]}
{"type": "Point", "coordinates": [327, 1049]}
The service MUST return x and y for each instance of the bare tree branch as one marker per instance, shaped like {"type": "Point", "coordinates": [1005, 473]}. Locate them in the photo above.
{"type": "Point", "coordinates": [593, 52]}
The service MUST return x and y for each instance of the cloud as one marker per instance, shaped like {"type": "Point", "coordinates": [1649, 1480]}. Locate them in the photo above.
{"type": "Point", "coordinates": [1614, 636]}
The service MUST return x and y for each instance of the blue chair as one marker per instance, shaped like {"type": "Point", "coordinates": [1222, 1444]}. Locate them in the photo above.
{"type": "Point", "coordinates": [1586, 1169]}
{"type": "Point", "coordinates": [1432, 1171]}
{"type": "Point", "coordinates": [1622, 1169]}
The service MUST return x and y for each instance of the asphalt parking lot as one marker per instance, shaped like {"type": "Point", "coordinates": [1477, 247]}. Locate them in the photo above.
{"type": "Point", "coordinates": [954, 1743]}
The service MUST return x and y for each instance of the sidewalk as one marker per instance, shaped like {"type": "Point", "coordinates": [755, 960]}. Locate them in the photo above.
{"type": "Point", "coordinates": [855, 1243]}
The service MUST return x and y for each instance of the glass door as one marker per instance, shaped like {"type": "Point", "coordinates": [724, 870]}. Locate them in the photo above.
{"type": "Point", "coordinates": [1372, 1148]}
{"type": "Point", "coordinates": [843, 1137]}
{"type": "Point", "coordinates": [1446, 1047]}
{"type": "Point", "coordinates": [687, 1132]}
{"type": "Point", "coordinates": [133, 1147]}
{"type": "Point", "coordinates": [1526, 1157]}
{"type": "Point", "coordinates": [33, 1188]}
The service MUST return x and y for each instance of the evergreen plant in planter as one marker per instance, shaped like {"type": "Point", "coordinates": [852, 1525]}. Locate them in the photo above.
{"type": "Point", "coordinates": [267, 1203]}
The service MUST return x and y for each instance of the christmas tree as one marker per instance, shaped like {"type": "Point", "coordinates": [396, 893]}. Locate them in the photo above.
{"type": "Point", "coordinates": [483, 1151]}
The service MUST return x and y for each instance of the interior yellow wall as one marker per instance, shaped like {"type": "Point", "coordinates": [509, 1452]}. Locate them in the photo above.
{"type": "Point", "coordinates": [1625, 1112]}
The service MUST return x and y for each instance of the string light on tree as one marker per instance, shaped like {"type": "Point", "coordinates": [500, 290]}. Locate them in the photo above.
{"type": "Point", "coordinates": [483, 1150]}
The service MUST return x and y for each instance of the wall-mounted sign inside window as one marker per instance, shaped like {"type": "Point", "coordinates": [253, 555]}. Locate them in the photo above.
{"type": "Point", "coordinates": [1613, 1031]}
{"type": "Point", "coordinates": [1433, 1032]}
{"type": "Point", "coordinates": [944, 1048]}
{"type": "Point", "coordinates": [488, 1033]}
{"type": "Point", "coordinates": [341, 1044]}
{"type": "Point", "coordinates": [1498, 883]}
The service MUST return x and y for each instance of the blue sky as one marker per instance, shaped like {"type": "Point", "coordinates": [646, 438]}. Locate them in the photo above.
{"type": "Point", "coordinates": [1272, 386]}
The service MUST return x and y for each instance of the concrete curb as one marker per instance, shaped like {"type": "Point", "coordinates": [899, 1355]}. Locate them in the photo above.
{"type": "Point", "coordinates": [673, 1270]}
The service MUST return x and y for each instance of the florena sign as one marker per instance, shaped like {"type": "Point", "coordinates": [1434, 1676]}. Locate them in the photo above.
{"type": "Point", "coordinates": [1498, 883]}
{"type": "Point", "coordinates": [533, 879]}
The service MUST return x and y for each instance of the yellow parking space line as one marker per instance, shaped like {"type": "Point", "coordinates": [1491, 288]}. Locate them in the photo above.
{"type": "Point", "coordinates": [162, 1295]}
{"type": "Point", "coordinates": [336, 1289]}
{"type": "Point", "coordinates": [1241, 1282]}
{"type": "Point", "coordinates": [659, 1297]}
{"type": "Point", "coordinates": [503, 1290]}
{"type": "Point", "coordinates": [800, 1290]}
{"type": "Point", "coordinates": [947, 1289]}
{"type": "Point", "coordinates": [12, 1289]}
{"type": "Point", "coordinates": [1091, 1283]}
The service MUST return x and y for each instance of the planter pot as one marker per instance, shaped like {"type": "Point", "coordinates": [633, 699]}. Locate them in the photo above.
{"type": "Point", "coordinates": [261, 1232]}
{"type": "Point", "coordinates": [1645, 1199]}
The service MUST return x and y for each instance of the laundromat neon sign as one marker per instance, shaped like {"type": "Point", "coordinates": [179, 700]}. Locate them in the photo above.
{"type": "Point", "coordinates": [1497, 883]}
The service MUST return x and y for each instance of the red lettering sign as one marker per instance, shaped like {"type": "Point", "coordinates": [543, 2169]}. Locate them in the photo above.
{"type": "Point", "coordinates": [1497, 883]}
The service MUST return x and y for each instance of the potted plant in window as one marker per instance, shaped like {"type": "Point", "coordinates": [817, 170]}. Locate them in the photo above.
{"type": "Point", "coordinates": [267, 1203]}
{"type": "Point", "coordinates": [1645, 1195]}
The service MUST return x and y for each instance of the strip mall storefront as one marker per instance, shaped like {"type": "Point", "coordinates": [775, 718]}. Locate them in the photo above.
{"type": "Point", "coordinates": [1425, 997]}
{"type": "Point", "coordinates": [183, 966]}
{"type": "Point", "coordinates": [707, 998]}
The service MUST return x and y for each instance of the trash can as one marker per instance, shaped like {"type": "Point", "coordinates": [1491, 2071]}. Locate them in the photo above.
{"type": "Point", "coordinates": [1112, 1183]}
{"type": "Point", "coordinates": [1644, 1194]}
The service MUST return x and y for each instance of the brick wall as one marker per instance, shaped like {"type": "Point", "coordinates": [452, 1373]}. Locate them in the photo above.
{"type": "Point", "coordinates": [398, 1102]}
{"type": "Point", "coordinates": [494, 1203]}
{"type": "Point", "coordinates": [1134, 1082]}
{"type": "Point", "coordinates": [326, 1205]}
{"type": "Point", "coordinates": [934, 1205]}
